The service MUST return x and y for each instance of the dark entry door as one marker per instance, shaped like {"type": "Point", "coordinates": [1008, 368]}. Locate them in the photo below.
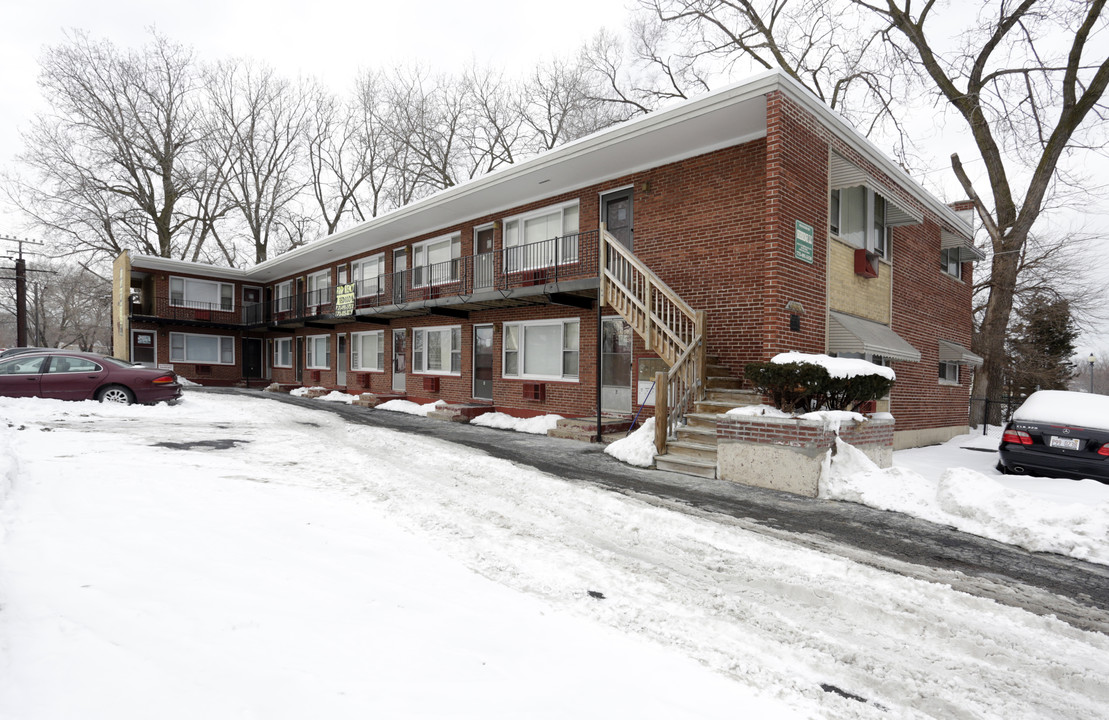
{"type": "Point", "coordinates": [616, 212]}
{"type": "Point", "coordinates": [252, 358]}
{"type": "Point", "coordinates": [483, 362]}
{"type": "Point", "coordinates": [143, 348]}
{"type": "Point", "coordinates": [483, 258]}
{"type": "Point", "coordinates": [299, 362]}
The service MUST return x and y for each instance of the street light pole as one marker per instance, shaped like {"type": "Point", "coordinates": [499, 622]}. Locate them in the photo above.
{"type": "Point", "coordinates": [1091, 360]}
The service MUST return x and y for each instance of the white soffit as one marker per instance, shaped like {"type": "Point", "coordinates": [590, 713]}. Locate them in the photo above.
{"type": "Point", "coordinates": [850, 334]}
{"type": "Point", "coordinates": [956, 353]}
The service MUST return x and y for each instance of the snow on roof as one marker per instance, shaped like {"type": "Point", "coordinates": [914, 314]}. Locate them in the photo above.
{"type": "Point", "coordinates": [1063, 407]}
{"type": "Point", "coordinates": [836, 367]}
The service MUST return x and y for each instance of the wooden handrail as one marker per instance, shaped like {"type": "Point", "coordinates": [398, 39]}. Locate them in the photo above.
{"type": "Point", "coordinates": [670, 326]}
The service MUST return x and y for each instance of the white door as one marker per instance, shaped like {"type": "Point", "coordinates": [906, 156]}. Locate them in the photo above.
{"type": "Point", "coordinates": [400, 367]}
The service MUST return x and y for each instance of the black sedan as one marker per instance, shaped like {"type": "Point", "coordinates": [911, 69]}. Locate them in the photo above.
{"type": "Point", "coordinates": [1056, 433]}
{"type": "Point", "coordinates": [66, 375]}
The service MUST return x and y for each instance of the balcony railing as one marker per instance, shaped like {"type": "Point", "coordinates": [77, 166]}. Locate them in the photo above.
{"type": "Point", "coordinates": [571, 257]}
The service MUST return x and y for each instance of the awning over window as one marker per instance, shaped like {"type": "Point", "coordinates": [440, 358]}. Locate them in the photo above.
{"type": "Point", "coordinates": [844, 174]}
{"type": "Point", "coordinates": [967, 251]}
{"type": "Point", "coordinates": [955, 353]}
{"type": "Point", "coordinates": [849, 334]}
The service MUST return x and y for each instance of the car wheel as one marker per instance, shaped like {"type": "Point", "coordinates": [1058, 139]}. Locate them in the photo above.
{"type": "Point", "coordinates": [116, 394]}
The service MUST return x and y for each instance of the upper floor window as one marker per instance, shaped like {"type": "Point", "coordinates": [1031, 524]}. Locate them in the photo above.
{"type": "Point", "coordinates": [201, 294]}
{"type": "Point", "coordinates": [283, 296]}
{"type": "Point", "coordinates": [366, 274]}
{"type": "Point", "coordinates": [858, 216]}
{"type": "Point", "coordinates": [318, 286]}
{"type": "Point", "coordinates": [436, 261]}
{"type": "Point", "coordinates": [541, 238]}
{"type": "Point", "coordinates": [950, 262]}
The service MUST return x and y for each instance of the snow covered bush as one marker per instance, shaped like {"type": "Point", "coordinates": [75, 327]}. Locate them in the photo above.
{"type": "Point", "coordinates": [799, 383]}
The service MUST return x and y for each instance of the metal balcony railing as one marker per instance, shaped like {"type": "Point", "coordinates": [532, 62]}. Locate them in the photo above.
{"type": "Point", "coordinates": [571, 257]}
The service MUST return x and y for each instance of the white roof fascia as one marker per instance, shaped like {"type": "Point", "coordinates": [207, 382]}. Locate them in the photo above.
{"type": "Point", "coordinates": [140, 263]}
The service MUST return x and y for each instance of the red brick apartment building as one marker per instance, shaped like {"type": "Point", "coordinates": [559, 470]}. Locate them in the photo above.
{"type": "Point", "coordinates": [724, 230]}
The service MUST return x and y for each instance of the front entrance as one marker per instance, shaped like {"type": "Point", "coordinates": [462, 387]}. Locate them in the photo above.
{"type": "Point", "coordinates": [252, 305]}
{"type": "Point", "coordinates": [400, 367]}
{"type": "Point", "coordinates": [483, 258]}
{"type": "Point", "coordinates": [341, 361]}
{"type": "Point", "coordinates": [400, 276]}
{"type": "Point", "coordinates": [144, 348]}
{"type": "Point", "coordinates": [252, 358]}
{"type": "Point", "coordinates": [616, 365]}
{"type": "Point", "coordinates": [483, 362]}
{"type": "Point", "coordinates": [298, 363]}
{"type": "Point", "coordinates": [616, 214]}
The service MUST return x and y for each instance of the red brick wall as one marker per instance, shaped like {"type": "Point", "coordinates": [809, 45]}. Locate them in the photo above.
{"type": "Point", "coordinates": [803, 434]}
{"type": "Point", "coordinates": [216, 375]}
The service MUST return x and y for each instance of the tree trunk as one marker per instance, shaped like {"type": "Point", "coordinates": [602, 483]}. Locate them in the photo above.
{"type": "Point", "coordinates": [989, 342]}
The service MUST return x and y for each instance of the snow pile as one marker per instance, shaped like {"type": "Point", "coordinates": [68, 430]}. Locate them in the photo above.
{"type": "Point", "coordinates": [758, 411]}
{"type": "Point", "coordinates": [410, 408]}
{"type": "Point", "coordinates": [538, 425]}
{"type": "Point", "coordinates": [1062, 407]}
{"type": "Point", "coordinates": [638, 448]}
{"type": "Point", "coordinates": [185, 382]}
{"type": "Point", "coordinates": [337, 396]}
{"type": "Point", "coordinates": [972, 502]}
{"type": "Point", "coordinates": [302, 391]}
{"type": "Point", "coordinates": [836, 367]}
{"type": "Point", "coordinates": [981, 442]}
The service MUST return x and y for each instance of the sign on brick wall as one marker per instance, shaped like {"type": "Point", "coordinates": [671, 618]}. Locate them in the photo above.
{"type": "Point", "coordinates": [802, 242]}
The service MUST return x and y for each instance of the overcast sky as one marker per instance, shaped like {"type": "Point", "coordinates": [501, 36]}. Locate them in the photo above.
{"type": "Point", "coordinates": [333, 39]}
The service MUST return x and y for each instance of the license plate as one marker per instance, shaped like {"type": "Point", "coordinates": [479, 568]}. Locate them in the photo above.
{"type": "Point", "coordinates": [1064, 443]}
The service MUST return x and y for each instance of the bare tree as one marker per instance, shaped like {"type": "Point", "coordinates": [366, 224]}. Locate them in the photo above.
{"type": "Point", "coordinates": [1026, 77]}
{"type": "Point", "coordinates": [260, 119]}
{"type": "Point", "coordinates": [113, 164]}
{"type": "Point", "coordinates": [67, 305]}
{"type": "Point", "coordinates": [556, 105]}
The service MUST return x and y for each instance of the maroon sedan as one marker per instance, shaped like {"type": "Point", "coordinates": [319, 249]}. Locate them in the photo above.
{"type": "Point", "coordinates": [69, 375]}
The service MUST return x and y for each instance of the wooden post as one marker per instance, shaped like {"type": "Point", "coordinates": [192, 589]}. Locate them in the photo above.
{"type": "Point", "coordinates": [700, 324]}
{"type": "Point", "coordinates": [662, 411]}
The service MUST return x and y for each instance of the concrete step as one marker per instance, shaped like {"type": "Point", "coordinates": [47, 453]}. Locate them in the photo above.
{"type": "Point", "coordinates": [695, 434]}
{"type": "Point", "coordinates": [717, 406]}
{"type": "Point", "coordinates": [688, 466]}
{"type": "Point", "coordinates": [723, 382]}
{"type": "Point", "coordinates": [459, 412]}
{"type": "Point", "coordinates": [701, 420]}
{"type": "Point", "coordinates": [613, 427]}
{"type": "Point", "coordinates": [686, 449]}
{"type": "Point", "coordinates": [733, 395]}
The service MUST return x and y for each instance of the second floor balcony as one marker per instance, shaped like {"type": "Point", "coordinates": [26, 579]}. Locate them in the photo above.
{"type": "Point", "coordinates": [559, 266]}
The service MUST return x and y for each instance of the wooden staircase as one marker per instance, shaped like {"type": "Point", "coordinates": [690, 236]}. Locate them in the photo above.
{"type": "Point", "coordinates": [693, 451]}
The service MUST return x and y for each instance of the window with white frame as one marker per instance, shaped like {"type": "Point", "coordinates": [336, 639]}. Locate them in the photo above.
{"type": "Point", "coordinates": [366, 274]}
{"type": "Point", "coordinates": [541, 349]}
{"type": "Point", "coordinates": [950, 262]}
{"type": "Point", "coordinates": [283, 296]}
{"type": "Point", "coordinates": [541, 238]}
{"type": "Point", "coordinates": [201, 294]}
{"type": "Point", "coordinates": [858, 216]}
{"type": "Point", "coordinates": [318, 286]}
{"type": "Point", "coordinates": [435, 261]}
{"type": "Point", "coordinates": [949, 373]}
{"type": "Point", "coordinates": [437, 351]}
{"type": "Point", "coordinates": [318, 351]}
{"type": "Point", "coordinates": [367, 351]}
{"type": "Point", "coordinates": [283, 352]}
{"type": "Point", "coordinates": [203, 349]}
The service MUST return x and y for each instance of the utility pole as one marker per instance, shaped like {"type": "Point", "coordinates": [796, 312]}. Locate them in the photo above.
{"type": "Point", "coordinates": [20, 289]}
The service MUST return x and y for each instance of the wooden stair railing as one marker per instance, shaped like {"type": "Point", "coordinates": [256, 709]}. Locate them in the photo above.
{"type": "Point", "coordinates": [670, 326]}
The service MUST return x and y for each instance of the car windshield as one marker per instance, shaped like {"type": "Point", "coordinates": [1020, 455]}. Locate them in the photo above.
{"type": "Point", "coordinates": [1062, 407]}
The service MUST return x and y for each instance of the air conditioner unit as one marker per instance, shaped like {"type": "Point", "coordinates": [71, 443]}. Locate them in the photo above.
{"type": "Point", "coordinates": [535, 391]}
{"type": "Point", "coordinates": [431, 384]}
{"type": "Point", "coordinates": [202, 315]}
{"type": "Point", "coordinates": [314, 375]}
{"type": "Point", "coordinates": [364, 380]}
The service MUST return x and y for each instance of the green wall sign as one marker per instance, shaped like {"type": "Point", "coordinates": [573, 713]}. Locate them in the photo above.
{"type": "Point", "coordinates": [802, 241]}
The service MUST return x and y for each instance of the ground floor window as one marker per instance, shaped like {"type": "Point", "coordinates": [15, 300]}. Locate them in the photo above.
{"type": "Point", "coordinates": [367, 351]}
{"type": "Point", "coordinates": [283, 352]}
{"type": "Point", "coordinates": [318, 348]}
{"type": "Point", "coordinates": [949, 373]}
{"type": "Point", "coordinates": [206, 349]}
{"type": "Point", "coordinates": [544, 349]}
{"type": "Point", "coordinates": [437, 350]}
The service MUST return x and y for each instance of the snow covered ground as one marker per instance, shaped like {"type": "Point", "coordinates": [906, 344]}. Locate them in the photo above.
{"type": "Point", "coordinates": [236, 558]}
